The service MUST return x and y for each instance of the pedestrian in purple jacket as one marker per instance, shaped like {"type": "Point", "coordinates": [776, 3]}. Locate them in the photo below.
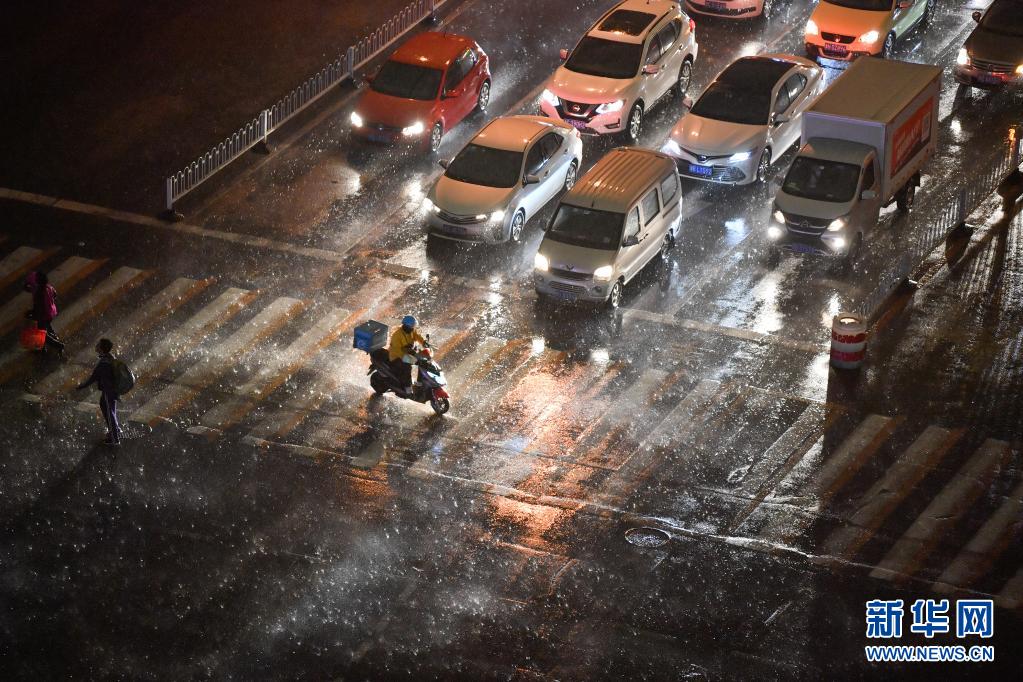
{"type": "Point", "coordinates": [44, 309]}
{"type": "Point", "coordinates": [103, 376]}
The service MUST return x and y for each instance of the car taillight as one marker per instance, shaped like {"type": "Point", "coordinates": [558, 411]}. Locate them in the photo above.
{"type": "Point", "coordinates": [692, 24]}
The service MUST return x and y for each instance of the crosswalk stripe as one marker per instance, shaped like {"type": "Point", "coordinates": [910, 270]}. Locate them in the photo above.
{"type": "Point", "coordinates": [156, 309]}
{"type": "Point", "coordinates": [885, 495]}
{"type": "Point", "coordinates": [19, 262]}
{"type": "Point", "coordinates": [279, 367]}
{"type": "Point", "coordinates": [618, 414]}
{"type": "Point", "coordinates": [683, 420]}
{"type": "Point", "coordinates": [75, 315]}
{"type": "Point", "coordinates": [943, 512]}
{"type": "Point", "coordinates": [64, 277]}
{"type": "Point", "coordinates": [459, 378]}
{"type": "Point", "coordinates": [1011, 596]}
{"type": "Point", "coordinates": [989, 542]}
{"type": "Point", "coordinates": [182, 339]}
{"type": "Point", "coordinates": [218, 360]}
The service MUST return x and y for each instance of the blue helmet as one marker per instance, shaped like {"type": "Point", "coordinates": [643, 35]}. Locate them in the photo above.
{"type": "Point", "coordinates": [409, 322]}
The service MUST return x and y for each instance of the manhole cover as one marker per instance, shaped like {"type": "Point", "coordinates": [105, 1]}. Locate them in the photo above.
{"type": "Point", "coordinates": [647, 537]}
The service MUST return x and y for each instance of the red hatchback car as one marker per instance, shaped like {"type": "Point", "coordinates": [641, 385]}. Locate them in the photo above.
{"type": "Point", "coordinates": [424, 89]}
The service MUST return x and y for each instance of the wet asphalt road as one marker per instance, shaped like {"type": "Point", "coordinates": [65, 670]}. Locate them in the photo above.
{"type": "Point", "coordinates": [267, 518]}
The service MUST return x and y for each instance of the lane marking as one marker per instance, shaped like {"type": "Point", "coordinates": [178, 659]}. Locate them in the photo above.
{"type": "Point", "coordinates": [734, 332]}
{"type": "Point", "coordinates": [986, 546]}
{"type": "Point", "coordinates": [156, 309]}
{"type": "Point", "coordinates": [18, 263]}
{"type": "Point", "coordinates": [217, 361]}
{"type": "Point", "coordinates": [884, 497]}
{"type": "Point", "coordinates": [616, 415]}
{"type": "Point", "coordinates": [64, 277]}
{"type": "Point", "coordinates": [944, 512]}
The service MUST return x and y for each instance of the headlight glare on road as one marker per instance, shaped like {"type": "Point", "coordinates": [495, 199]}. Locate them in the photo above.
{"type": "Point", "coordinates": [611, 107]}
{"type": "Point", "coordinates": [416, 128]}
{"type": "Point", "coordinates": [550, 98]}
{"type": "Point", "coordinates": [603, 273]}
{"type": "Point", "coordinates": [739, 156]}
{"type": "Point", "coordinates": [963, 58]}
{"type": "Point", "coordinates": [811, 28]}
{"type": "Point", "coordinates": [541, 263]}
{"type": "Point", "coordinates": [779, 217]}
{"type": "Point", "coordinates": [356, 120]}
{"type": "Point", "coordinates": [870, 37]}
{"type": "Point", "coordinates": [774, 232]}
{"type": "Point", "coordinates": [837, 243]}
{"type": "Point", "coordinates": [836, 225]}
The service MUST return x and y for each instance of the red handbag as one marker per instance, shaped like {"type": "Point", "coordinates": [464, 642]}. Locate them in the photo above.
{"type": "Point", "coordinates": [33, 338]}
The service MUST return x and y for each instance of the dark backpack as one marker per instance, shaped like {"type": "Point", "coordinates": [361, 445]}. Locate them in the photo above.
{"type": "Point", "coordinates": [124, 380]}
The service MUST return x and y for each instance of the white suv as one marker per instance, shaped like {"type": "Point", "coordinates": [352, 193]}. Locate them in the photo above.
{"type": "Point", "coordinates": [634, 55]}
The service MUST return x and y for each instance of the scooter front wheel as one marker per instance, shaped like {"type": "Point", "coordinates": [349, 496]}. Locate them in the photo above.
{"type": "Point", "coordinates": [440, 405]}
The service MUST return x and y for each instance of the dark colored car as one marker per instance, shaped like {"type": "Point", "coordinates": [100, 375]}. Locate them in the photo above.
{"type": "Point", "coordinates": [993, 54]}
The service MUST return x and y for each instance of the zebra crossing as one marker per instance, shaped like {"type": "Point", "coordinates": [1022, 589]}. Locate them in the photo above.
{"type": "Point", "coordinates": [855, 488]}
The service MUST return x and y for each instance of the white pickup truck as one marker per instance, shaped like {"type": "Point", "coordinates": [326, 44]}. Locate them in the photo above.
{"type": "Point", "coordinates": [864, 141]}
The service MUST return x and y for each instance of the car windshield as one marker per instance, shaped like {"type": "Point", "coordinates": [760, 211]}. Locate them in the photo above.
{"type": "Point", "coordinates": [587, 227]}
{"type": "Point", "coordinates": [874, 5]}
{"type": "Point", "coordinates": [407, 80]}
{"type": "Point", "coordinates": [606, 58]}
{"type": "Point", "coordinates": [726, 102]}
{"type": "Point", "coordinates": [486, 166]}
{"type": "Point", "coordinates": [1005, 18]}
{"type": "Point", "coordinates": [821, 180]}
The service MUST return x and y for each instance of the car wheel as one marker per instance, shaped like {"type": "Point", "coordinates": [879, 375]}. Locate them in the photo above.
{"type": "Point", "coordinates": [614, 299]}
{"type": "Point", "coordinates": [515, 230]}
{"type": "Point", "coordinates": [685, 77]}
{"type": "Point", "coordinates": [635, 123]}
{"type": "Point", "coordinates": [764, 166]}
{"type": "Point", "coordinates": [665, 252]}
{"type": "Point", "coordinates": [483, 98]}
{"type": "Point", "coordinates": [889, 45]}
{"type": "Point", "coordinates": [904, 199]}
{"type": "Point", "coordinates": [571, 175]}
{"type": "Point", "coordinates": [436, 133]}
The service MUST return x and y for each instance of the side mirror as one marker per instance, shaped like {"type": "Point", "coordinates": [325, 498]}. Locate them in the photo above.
{"type": "Point", "coordinates": [444, 163]}
{"type": "Point", "coordinates": [977, 15]}
{"type": "Point", "coordinates": [631, 240]}
{"type": "Point", "coordinates": [687, 102]}
{"type": "Point", "coordinates": [868, 195]}
{"type": "Point", "coordinates": [530, 180]}
{"type": "Point", "coordinates": [563, 53]}
{"type": "Point", "coordinates": [904, 4]}
{"type": "Point", "coordinates": [650, 69]}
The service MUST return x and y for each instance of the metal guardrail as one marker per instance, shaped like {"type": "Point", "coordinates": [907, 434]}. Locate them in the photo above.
{"type": "Point", "coordinates": [966, 198]}
{"type": "Point", "coordinates": [258, 129]}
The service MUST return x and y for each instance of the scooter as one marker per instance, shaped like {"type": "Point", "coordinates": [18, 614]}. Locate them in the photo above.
{"type": "Point", "coordinates": [430, 380]}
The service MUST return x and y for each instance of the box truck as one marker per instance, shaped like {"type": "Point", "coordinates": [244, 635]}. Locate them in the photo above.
{"type": "Point", "coordinates": [864, 142]}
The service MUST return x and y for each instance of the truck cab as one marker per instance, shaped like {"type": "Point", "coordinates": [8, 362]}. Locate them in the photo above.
{"type": "Point", "coordinates": [829, 198]}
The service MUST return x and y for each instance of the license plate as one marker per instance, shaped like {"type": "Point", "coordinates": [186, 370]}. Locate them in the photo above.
{"type": "Point", "coordinates": [835, 48]}
{"type": "Point", "coordinates": [803, 248]}
{"type": "Point", "coordinates": [576, 123]}
{"type": "Point", "coordinates": [720, 6]}
{"type": "Point", "coordinates": [988, 78]}
{"type": "Point", "coordinates": [704, 171]}
{"type": "Point", "coordinates": [454, 229]}
{"type": "Point", "coordinates": [564, 295]}
{"type": "Point", "coordinates": [377, 137]}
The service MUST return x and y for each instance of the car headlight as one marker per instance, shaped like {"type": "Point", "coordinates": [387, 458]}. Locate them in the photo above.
{"type": "Point", "coordinates": [497, 216]}
{"type": "Point", "coordinates": [428, 205]}
{"type": "Point", "coordinates": [870, 37]}
{"type": "Point", "coordinates": [811, 28]}
{"type": "Point", "coordinates": [963, 58]}
{"type": "Point", "coordinates": [611, 107]}
{"type": "Point", "coordinates": [671, 148]}
{"type": "Point", "coordinates": [541, 263]}
{"type": "Point", "coordinates": [774, 232]}
{"type": "Point", "coordinates": [550, 98]}
{"type": "Point", "coordinates": [739, 156]}
{"type": "Point", "coordinates": [836, 225]}
{"type": "Point", "coordinates": [356, 120]}
{"type": "Point", "coordinates": [778, 216]}
{"type": "Point", "coordinates": [603, 273]}
{"type": "Point", "coordinates": [1019, 70]}
{"type": "Point", "coordinates": [416, 128]}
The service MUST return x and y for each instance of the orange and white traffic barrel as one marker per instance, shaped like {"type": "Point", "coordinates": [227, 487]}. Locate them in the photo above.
{"type": "Point", "coordinates": [848, 340]}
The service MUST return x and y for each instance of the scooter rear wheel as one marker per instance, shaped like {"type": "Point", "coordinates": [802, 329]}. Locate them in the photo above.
{"type": "Point", "coordinates": [378, 384]}
{"type": "Point", "coordinates": [440, 405]}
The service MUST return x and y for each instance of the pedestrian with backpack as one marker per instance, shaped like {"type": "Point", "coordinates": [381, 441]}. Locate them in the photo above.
{"type": "Point", "coordinates": [44, 309]}
{"type": "Point", "coordinates": [114, 379]}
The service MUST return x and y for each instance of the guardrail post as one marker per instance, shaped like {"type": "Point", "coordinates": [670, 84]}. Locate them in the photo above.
{"type": "Point", "coordinates": [350, 62]}
{"type": "Point", "coordinates": [169, 213]}
{"type": "Point", "coordinates": [961, 212]}
{"type": "Point", "coordinates": [431, 16]}
{"type": "Point", "coordinates": [263, 146]}
{"type": "Point", "coordinates": [1011, 186]}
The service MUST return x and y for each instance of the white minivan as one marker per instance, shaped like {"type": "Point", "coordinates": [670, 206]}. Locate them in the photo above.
{"type": "Point", "coordinates": [619, 216]}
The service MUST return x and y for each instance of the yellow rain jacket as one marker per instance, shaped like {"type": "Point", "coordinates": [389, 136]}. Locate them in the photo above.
{"type": "Point", "coordinates": [401, 342]}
